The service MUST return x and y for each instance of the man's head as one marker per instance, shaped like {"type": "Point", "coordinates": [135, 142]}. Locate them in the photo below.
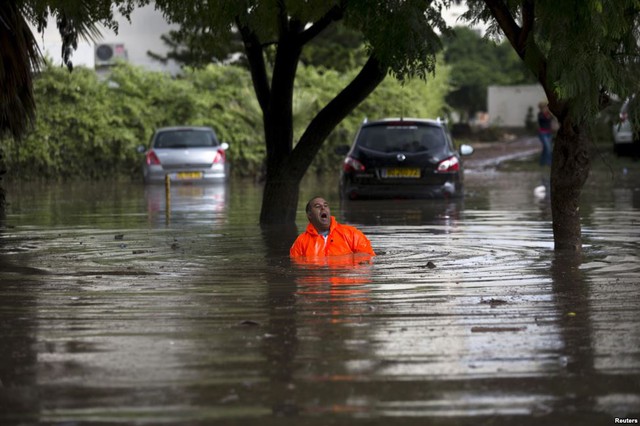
{"type": "Point", "coordinates": [319, 213]}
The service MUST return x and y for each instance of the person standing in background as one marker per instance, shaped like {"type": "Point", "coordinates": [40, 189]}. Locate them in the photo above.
{"type": "Point", "coordinates": [545, 132]}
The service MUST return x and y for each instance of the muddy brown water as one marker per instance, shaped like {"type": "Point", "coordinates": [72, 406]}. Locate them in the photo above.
{"type": "Point", "coordinates": [116, 310]}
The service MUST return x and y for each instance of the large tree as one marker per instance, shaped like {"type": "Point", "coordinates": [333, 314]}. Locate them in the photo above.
{"type": "Point", "coordinates": [400, 39]}
{"type": "Point", "coordinates": [581, 52]}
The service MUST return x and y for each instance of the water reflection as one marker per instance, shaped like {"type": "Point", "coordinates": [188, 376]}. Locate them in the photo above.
{"type": "Point", "coordinates": [18, 357]}
{"type": "Point", "coordinates": [335, 278]}
{"type": "Point", "coordinates": [280, 346]}
{"type": "Point", "coordinates": [401, 212]}
{"type": "Point", "coordinates": [187, 204]}
{"type": "Point", "coordinates": [576, 362]}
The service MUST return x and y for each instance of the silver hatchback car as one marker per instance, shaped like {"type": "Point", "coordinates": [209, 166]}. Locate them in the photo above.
{"type": "Point", "coordinates": [185, 154]}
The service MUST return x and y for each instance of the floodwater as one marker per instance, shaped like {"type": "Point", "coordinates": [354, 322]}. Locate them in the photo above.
{"type": "Point", "coordinates": [117, 310]}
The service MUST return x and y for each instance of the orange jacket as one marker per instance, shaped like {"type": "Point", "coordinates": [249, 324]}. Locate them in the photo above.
{"type": "Point", "coordinates": [342, 239]}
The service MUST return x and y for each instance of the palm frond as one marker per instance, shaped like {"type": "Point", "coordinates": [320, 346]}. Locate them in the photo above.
{"type": "Point", "coordinates": [20, 57]}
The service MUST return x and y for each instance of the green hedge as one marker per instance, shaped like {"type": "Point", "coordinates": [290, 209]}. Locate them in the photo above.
{"type": "Point", "coordinates": [88, 126]}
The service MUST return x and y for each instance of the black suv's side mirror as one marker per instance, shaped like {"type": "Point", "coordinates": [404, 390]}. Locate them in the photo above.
{"type": "Point", "coordinates": [466, 149]}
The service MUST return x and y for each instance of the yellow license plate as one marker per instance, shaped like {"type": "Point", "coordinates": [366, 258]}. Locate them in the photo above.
{"type": "Point", "coordinates": [189, 175]}
{"type": "Point", "coordinates": [401, 173]}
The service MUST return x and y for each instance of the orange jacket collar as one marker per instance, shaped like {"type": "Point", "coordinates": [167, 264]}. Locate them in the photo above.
{"type": "Point", "coordinates": [313, 231]}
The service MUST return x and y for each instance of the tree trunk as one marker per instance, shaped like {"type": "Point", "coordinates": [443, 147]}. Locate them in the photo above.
{"type": "Point", "coordinates": [279, 200]}
{"type": "Point", "coordinates": [3, 204]}
{"type": "Point", "coordinates": [569, 172]}
{"type": "Point", "coordinates": [280, 196]}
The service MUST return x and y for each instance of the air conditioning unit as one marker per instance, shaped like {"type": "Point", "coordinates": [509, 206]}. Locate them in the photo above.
{"type": "Point", "coordinates": [106, 54]}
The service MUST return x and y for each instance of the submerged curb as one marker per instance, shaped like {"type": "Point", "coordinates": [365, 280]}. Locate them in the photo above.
{"type": "Point", "coordinates": [492, 154]}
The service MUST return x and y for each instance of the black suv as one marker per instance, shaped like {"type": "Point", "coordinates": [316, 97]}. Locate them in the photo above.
{"type": "Point", "coordinates": [402, 158]}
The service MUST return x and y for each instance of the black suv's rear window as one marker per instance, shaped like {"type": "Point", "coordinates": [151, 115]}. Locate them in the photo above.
{"type": "Point", "coordinates": [185, 139]}
{"type": "Point", "coordinates": [401, 137]}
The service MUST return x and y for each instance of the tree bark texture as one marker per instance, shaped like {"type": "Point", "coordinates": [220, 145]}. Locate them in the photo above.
{"type": "Point", "coordinates": [279, 200]}
{"type": "Point", "coordinates": [569, 171]}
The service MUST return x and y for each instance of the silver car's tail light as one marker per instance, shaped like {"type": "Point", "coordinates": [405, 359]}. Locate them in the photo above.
{"type": "Point", "coordinates": [152, 158]}
{"type": "Point", "coordinates": [220, 157]}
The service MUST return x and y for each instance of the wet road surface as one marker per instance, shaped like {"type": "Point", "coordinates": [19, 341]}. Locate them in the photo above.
{"type": "Point", "coordinates": [114, 310]}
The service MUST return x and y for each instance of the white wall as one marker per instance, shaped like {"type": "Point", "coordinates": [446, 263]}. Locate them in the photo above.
{"type": "Point", "coordinates": [507, 105]}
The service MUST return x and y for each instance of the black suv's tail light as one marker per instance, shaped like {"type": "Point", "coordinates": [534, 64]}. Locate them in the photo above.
{"type": "Point", "coordinates": [352, 165]}
{"type": "Point", "coordinates": [451, 164]}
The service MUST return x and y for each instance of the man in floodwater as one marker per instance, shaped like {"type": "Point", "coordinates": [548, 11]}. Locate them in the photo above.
{"type": "Point", "coordinates": [324, 236]}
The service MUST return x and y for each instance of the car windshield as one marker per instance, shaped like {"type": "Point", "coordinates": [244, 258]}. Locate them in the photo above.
{"type": "Point", "coordinates": [189, 138]}
{"type": "Point", "coordinates": [407, 137]}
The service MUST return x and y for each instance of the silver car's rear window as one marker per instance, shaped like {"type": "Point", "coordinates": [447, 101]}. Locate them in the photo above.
{"type": "Point", "coordinates": [185, 139]}
{"type": "Point", "coordinates": [401, 138]}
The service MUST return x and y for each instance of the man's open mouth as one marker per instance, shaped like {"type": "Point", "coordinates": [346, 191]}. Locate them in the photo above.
{"type": "Point", "coordinates": [323, 216]}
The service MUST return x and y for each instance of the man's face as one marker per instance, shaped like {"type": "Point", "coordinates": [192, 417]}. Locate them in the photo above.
{"type": "Point", "coordinates": [320, 214]}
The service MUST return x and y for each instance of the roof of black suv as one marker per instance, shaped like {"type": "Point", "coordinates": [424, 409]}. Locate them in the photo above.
{"type": "Point", "coordinates": [408, 135]}
{"type": "Point", "coordinates": [435, 122]}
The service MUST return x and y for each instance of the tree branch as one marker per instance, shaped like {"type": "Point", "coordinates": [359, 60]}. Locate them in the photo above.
{"type": "Point", "coordinates": [283, 18]}
{"type": "Point", "coordinates": [528, 14]}
{"type": "Point", "coordinates": [502, 15]}
{"type": "Point", "coordinates": [257, 66]}
{"type": "Point", "coordinates": [369, 77]}
{"type": "Point", "coordinates": [522, 39]}
{"type": "Point", "coordinates": [334, 14]}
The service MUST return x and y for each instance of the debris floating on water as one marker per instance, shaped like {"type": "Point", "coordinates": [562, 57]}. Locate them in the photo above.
{"type": "Point", "coordinates": [481, 329]}
{"type": "Point", "coordinates": [493, 302]}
